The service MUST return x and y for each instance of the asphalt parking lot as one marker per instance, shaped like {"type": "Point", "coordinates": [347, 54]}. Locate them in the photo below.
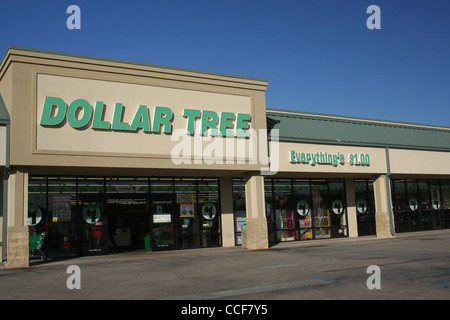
{"type": "Point", "coordinates": [411, 266]}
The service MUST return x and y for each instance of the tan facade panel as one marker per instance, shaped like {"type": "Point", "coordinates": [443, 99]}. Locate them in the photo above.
{"type": "Point", "coordinates": [79, 112]}
{"type": "Point", "coordinates": [419, 162]}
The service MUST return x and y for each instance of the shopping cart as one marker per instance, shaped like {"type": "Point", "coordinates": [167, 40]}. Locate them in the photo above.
{"type": "Point", "coordinates": [35, 245]}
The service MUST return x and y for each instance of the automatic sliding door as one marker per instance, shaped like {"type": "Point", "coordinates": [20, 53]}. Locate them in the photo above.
{"type": "Point", "coordinates": [163, 222]}
{"type": "Point", "coordinates": [94, 232]}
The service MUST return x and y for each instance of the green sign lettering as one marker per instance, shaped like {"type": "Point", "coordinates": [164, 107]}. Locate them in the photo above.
{"type": "Point", "coordinates": [191, 115]}
{"type": "Point", "coordinates": [80, 114]}
{"type": "Point", "coordinates": [141, 120]}
{"type": "Point", "coordinates": [75, 109]}
{"type": "Point", "coordinates": [162, 116]}
{"type": "Point", "coordinates": [226, 124]}
{"type": "Point", "coordinates": [328, 158]}
{"type": "Point", "coordinates": [117, 123]}
{"type": "Point", "coordinates": [209, 120]}
{"type": "Point", "coordinates": [58, 118]}
{"type": "Point", "coordinates": [98, 123]}
{"type": "Point", "coordinates": [242, 125]}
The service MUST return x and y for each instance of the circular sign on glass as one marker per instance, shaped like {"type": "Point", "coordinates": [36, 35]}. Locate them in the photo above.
{"type": "Point", "coordinates": [337, 207]}
{"type": "Point", "coordinates": [413, 205]}
{"type": "Point", "coordinates": [34, 215]}
{"type": "Point", "coordinates": [361, 206]}
{"type": "Point", "coordinates": [209, 211]}
{"type": "Point", "coordinates": [302, 208]}
{"type": "Point", "coordinates": [91, 213]}
{"type": "Point", "coordinates": [436, 204]}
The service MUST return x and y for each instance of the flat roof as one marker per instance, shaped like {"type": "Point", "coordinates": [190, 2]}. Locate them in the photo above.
{"type": "Point", "coordinates": [319, 128]}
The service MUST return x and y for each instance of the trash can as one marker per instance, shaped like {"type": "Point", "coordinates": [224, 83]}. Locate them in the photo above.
{"type": "Point", "coordinates": [147, 242]}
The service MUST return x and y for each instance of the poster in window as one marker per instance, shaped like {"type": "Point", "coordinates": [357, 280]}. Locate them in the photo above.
{"type": "Point", "coordinates": [61, 209]}
{"type": "Point", "coordinates": [187, 205]}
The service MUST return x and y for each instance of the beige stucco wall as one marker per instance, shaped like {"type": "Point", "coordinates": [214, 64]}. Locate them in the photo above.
{"type": "Point", "coordinates": [37, 75]}
{"type": "Point", "coordinates": [419, 162]}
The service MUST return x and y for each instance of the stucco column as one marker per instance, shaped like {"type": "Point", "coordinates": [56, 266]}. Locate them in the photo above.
{"type": "Point", "coordinates": [351, 208]}
{"type": "Point", "coordinates": [382, 210]}
{"type": "Point", "coordinates": [227, 219]}
{"type": "Point", "coordinates": [17, 254]}
{"type": "Point", "coordinates": [256, 222]}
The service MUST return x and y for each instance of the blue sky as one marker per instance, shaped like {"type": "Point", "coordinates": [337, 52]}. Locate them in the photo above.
{"type": "Point", "coordinates": [318, 55]}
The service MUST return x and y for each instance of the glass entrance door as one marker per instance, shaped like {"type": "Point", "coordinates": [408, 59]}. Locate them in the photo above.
{"type": "Point", "coordinates": [128, 222]}
{"type": "Point", "coordinates": [94, 235]}
{"type": "Point", "coordinates": [163, 222]}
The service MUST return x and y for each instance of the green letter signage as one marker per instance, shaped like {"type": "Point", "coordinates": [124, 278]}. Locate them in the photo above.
{"type": "Point", "coordinates": [46, 117]}
{"type": "Point", "coordinates": [242, 125]}
{"type": "Point", "coordinates": [80, 114]}
{"type": "Point", "coordinates": [226, 124]}
{"type": "Point", "coordinates": [117, 118]}
{"type": "Point", "coordinates": [209, 120]}
{"type": "Point", "coordinates": [72, 112]}
{"type": "Point", "coordinates": [98, 123]}
{"type": "Point", "coordinates": [163, 116]}
{"type": "Point", "coordinates": [191, 115]}
{"type": "Point", "coordinates": [144, 124]}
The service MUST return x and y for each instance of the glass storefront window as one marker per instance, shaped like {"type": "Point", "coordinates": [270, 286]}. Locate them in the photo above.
{"type": "Point", "coordinates": [62, 227]}
{"type": "Point", "coordinates": [365, 207]}
{"type": "Point", "coordinates": [284, 211]}
{"type": "Point", "coordinates": [436, 204]}
{"type": "Point", "coordinates": [420, 204]}
{"type": "Point", "coordinates": [188, 220]}
{"type": "Point", "coordinates": [400, 205]}
{"type": "Point", "coordinates": [239, 209]}
{"type": "Point", "coordinates": [268, 192]}
{"type": "Point", "coordinates": [338, 217]}
{"type": "Point", "coordinates": [413, 204]}
{"type": "Point", "coordinates": [303, 209]}
{"type": "Point", "coordinates": [37, 219]}
{"type": "Point", "coordinates": [321, 211]}
{"type": "Point", "coordinates": [445, 207]}
{"type": "Point", "coordinates": [91, 185]}
{"type": "Point", "coordinates": [92, 211]}
{"type": "Point", "coordinates": [209, 212]}
{"type": "Point", "coordinates": [425, 208]}
{"type": "Point", "coordinates": [302, 202]}
{"type": "Point", "coordinates": [37, 205]}
{"type": "Point", "coordinates": [89, 215]}
{"type": "Point", "coordinates": [127, 185]}
{"type": "Point", "coordinates": [161, 185]}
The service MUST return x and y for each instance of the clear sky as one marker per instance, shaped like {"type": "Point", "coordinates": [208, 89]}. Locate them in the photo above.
{"type": "Point", "coordinates": [318, 55]}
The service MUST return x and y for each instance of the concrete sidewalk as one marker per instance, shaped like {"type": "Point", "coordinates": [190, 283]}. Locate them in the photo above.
{"type": "Point", "coordinates": [412, 266]}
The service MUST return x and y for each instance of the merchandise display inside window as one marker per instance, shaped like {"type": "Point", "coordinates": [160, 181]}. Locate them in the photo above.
{"type": "Point", "coordinates": [305, 209]}
{"type": "Point", "coordinates": [420, 204]}
{"type": "Point", "coordinates": [90, 215]}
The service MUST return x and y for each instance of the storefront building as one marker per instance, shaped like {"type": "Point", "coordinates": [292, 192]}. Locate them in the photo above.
{"type": "Point", "coordinates": [105, 155]}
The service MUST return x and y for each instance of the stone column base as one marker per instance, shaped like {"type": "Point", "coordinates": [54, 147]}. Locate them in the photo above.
{"type": "Point", "coordinates": [255, 237]}
{"type": "Point", "coordinates": [17, 253]}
